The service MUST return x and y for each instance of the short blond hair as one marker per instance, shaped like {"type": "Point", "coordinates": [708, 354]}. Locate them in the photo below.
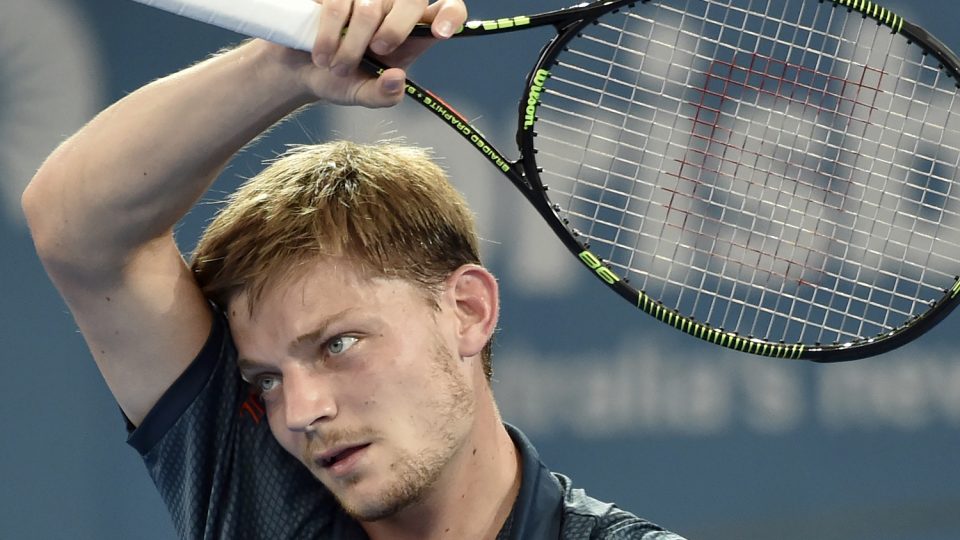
{"type": "Point", "coordinates": [387, 208]}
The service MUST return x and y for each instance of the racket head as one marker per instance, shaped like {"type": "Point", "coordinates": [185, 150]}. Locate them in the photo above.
{"type": "Point", "coordinates": [775, 177]}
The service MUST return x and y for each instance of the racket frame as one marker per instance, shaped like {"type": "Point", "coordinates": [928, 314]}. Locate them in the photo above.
{"type": "Point", "coordinates": [537, 192]}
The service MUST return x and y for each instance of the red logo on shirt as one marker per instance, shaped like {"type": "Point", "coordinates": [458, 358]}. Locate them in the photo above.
{"type": "Point", "coordinates": [253, 407]}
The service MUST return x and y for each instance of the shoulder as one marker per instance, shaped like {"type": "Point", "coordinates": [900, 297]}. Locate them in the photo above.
{"type": "Point", "coordinates": [586, 517]}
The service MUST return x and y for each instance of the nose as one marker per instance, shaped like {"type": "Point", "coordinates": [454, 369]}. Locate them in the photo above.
{"type": "Point", "coordinates": [307, 400]}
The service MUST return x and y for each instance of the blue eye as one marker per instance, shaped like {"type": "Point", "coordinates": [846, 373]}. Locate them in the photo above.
{"type": "Point", "coordinates": [340, 344]}
{"type": "Point", "coordinates": [266, 383]}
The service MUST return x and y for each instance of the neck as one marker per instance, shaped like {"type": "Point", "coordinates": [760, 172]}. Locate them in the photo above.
{"type": "Point", "coordinates": [474, 495]}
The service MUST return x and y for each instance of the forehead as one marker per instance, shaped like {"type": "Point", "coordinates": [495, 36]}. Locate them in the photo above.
{"type": "Point", "coordinates": [323, 281]}
{"type": "Point", "coordinates": [325, 285]}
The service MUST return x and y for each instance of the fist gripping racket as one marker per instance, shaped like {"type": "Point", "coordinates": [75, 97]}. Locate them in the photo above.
{"type": "Point", "coordinates": [772, 176]}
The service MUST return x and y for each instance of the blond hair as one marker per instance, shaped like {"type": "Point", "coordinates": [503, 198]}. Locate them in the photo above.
{"type": "Point", "coordinates": [387, 208]}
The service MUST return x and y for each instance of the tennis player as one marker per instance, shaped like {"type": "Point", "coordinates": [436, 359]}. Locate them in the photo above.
{"type": "Point", "coordinates": [322, 367]}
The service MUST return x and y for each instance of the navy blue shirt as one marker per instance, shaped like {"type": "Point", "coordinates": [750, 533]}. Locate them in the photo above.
{"type": "Point", "coordinates": [211, 454]}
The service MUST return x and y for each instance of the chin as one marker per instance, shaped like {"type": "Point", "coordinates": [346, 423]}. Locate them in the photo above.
{"type": "Point", "coordinates": [371, 512]}
{"type": "Point", "coordinates": [384, 501]}
{"type": "Point", "coordinates": [376, 507]}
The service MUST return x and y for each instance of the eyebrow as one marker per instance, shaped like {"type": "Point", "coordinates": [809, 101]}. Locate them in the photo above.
{"type": "Point", "coordinates": [246, 365]}
{"type": "Point", "coordinates": [313, 336]}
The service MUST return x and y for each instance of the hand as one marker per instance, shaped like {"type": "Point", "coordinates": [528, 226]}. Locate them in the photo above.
{"type": "Point", "coordinates": [378, 26]}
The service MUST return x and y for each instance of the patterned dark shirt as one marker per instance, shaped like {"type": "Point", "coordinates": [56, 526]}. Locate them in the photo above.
{"type": "Point", "coordinates": [211, 454]}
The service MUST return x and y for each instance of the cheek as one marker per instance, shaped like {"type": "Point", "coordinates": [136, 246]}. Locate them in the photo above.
{"type": "Point", "coordinates": [388, 400]}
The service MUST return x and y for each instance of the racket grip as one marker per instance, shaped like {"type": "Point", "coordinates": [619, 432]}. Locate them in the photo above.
{"type": "Point", "coordinates": [291, 23]}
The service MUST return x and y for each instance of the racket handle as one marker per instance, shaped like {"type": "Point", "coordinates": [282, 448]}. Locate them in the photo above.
{"type": "Point", "coordinates": [291, 23]}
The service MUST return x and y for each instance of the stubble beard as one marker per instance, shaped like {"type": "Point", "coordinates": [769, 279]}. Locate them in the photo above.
{"type": "Point", "coordinates": [413, 476]}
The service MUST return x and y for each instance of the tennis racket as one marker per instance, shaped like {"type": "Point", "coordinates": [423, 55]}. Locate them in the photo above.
{"type": "Point", "coordinates": [771, 176]}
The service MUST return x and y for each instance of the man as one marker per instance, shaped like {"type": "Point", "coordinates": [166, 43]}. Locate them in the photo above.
{"type": "Point", "coordinates": [334, 325]}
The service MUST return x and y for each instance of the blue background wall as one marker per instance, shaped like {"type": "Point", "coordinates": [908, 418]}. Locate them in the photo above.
{"type": "Point", "coordinates": [715, 445]}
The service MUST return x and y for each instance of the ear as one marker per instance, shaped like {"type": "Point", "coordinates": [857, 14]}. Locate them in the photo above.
{"type": "Point", "coordinates": [475, 299]}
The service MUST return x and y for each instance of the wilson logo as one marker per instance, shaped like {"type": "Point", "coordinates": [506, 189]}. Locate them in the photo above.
{"type": "Point", "coordinates": [533, 99]}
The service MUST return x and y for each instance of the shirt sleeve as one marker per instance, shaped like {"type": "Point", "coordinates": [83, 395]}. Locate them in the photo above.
{"type": "Point", "coordinates": [208, 448]}
{"type": "Point", "coordinates": [586, 517]}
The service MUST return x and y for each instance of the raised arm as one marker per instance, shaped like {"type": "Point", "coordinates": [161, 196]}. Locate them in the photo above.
{"type": "Point", "coordinates": [103, 206]}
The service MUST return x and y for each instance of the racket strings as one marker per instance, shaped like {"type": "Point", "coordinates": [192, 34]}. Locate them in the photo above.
{"type": "Point", "coordinates": [781, 170]}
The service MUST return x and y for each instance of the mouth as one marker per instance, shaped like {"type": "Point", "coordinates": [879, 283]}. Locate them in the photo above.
{"type": "Point", "coordinates": [339, 460]}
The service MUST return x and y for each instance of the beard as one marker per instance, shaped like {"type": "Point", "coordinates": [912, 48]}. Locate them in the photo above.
{"type": "Point", "coordinates": [412, 475]}
{"type": "Point", "coordinates": [412, 478]}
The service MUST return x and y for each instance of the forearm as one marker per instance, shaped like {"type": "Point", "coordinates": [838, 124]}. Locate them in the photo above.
{"type": "Point", "coordinates": [128, 176]}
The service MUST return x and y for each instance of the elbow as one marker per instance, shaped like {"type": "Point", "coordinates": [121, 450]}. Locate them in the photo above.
{"type": "Point", "coordinates": [31, 204]}
{"type": "Point", "coordinates": [35, 202]}
{"type": "Point", "coordinates": [46, 224]}
{"type": "Point", "coordinates": [45, 200]}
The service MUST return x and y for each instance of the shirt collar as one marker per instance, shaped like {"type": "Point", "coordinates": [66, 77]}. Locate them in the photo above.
{"type": "Point", "coordinates": [538, 509]}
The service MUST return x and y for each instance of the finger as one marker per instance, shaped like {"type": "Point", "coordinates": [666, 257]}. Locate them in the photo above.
{"type": "Point", "coordinates": [365, 18]}
{"type": "Point", "coordinates": [397, 24]}
{"type": "Point", "coordinates": [333, 18]}
{"type": "Point", "coordinates": [446, 17]}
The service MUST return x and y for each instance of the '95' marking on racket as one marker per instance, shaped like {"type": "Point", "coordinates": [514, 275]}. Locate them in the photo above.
{"type": "Point", "coordinates": [593, 262]}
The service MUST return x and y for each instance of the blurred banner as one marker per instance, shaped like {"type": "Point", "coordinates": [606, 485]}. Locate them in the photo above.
{"type": "Point", "coordinates": [710, 443]}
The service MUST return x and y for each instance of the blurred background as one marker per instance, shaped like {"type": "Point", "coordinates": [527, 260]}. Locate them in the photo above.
{"type": "Point", "coordinates": [712, 444]}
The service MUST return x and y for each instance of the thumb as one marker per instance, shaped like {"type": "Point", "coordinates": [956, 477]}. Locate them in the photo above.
{"type": "Point", "coordinates": [384, 91]}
